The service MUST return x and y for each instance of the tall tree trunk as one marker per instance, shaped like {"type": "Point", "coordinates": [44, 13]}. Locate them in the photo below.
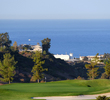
{"type": "Point", "coordinates": [9, 81]}
{"type": "Point", "coordinates": [38, 80]}
{"type": "Point", "coordinates": [92, 74]}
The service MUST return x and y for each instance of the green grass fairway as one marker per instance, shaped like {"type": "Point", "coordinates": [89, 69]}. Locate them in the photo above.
{"type": "Point", "coordinates": [24, 91]}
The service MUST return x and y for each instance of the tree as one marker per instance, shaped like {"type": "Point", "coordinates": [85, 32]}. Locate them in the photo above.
{"type": "Point", "coordinates": [106, 55]}
{"type": "Point", "coordinates": [85, 58]}
{"type": "Point", "coordinates": [37, 69]}
{"type": "Point", "coordinates": [4, 40]}
{"type": "Point", "coordinates": [92, 68]}
{"type": "Point", "coordinates": [46, 44]}
{"type": "Point", "coordinates": [7, 68]}
{"type": "Point", "coordinates": [15, 45]}
{"type": "Point", "coordinates": [26, 47]}
{"type": "Point", "coordinates": [107, 68]}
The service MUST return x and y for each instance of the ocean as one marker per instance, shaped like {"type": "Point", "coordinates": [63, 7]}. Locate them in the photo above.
{"type": "Point", "coordinates": [80, 37]}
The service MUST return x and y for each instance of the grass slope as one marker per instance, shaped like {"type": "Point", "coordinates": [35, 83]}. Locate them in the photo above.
{"type": "Point", "coordinates": [24, 91]}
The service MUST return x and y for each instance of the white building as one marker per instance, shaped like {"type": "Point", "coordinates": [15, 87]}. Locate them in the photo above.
{"type": "Point", "coordinates": [91, 57]}
{"type": "Point", "coordinates": [36, 47]}
{"type": "Point", "coordinates": [63, 57]}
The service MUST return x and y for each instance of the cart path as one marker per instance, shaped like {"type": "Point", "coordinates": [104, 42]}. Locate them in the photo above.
{"type": "Point", "coordinates": [80, 97]}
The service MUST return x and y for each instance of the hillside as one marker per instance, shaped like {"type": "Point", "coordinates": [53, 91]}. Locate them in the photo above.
{"type": "Point", "coordinates": [57, 69]}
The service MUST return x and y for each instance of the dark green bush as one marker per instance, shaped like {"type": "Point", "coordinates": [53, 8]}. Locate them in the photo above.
{"type": "Point", "coordinates": [102, 98]}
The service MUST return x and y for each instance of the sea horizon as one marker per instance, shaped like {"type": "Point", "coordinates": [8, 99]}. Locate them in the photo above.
{"type": "Point", "coordinates": [82, 37]}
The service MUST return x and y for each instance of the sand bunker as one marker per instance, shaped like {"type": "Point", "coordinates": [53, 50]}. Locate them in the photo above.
{"type": "Point", "coordinates": [80, 97]}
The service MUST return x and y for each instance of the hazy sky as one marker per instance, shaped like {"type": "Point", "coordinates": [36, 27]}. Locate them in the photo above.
{"type": "Point", "coordinates": [54, 9]}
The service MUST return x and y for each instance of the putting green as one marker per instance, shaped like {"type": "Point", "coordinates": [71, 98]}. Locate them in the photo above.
{"type": "Point", "coordinates": [24, 91]}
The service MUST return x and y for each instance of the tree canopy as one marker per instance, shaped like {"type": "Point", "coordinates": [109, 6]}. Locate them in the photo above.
{"type": "Point", "coordinates": [15, 45]}
{"type": "Point", "coordinates": [4, 40]}
{"type": "Point", "coordinates": [85, 58]}
{"type": "Point", "coordinates": [106, 55]}
{"type": "Point", "coordinates": [107, 68]}
{"type": "Point", "coordinates": [37, 69]}
{"type": "Point", "coordinates": [46, 44]}
{"type": "Point", "coordinates": [92, 68]}
{"type": "Point", "coordinates": [7, 68]}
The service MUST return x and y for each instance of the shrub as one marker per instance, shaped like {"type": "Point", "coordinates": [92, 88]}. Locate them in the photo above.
{"type": "Point", "coordinates": [79, 78]}
{"type": "Point", "coordinates": [42, 81]}
{"type": "Point", "coordinates": [2, 49]}
{"type": "Point", "coordinates": [22, 80]}
{"type": "Point", "coordinates": [104, 76]}
{"type": "Point", "coordinates": [102, 98]}
{"type": "Point", "coordinates": [88, 86]}
{"type": "Point", "coordinates": [32, 80]}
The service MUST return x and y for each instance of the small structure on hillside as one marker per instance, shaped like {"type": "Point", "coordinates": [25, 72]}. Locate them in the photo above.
{"type": "Point", "coordinates": [30, 48]}
{"type": "Point", "coordinates": [91, 57]}
{"type": "Point", "coordinates": [36, 47]}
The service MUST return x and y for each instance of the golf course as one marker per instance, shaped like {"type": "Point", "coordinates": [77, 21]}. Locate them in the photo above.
{"type": "Point", "coordinates": [25, 91]}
